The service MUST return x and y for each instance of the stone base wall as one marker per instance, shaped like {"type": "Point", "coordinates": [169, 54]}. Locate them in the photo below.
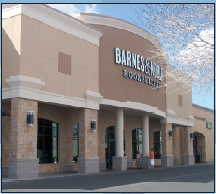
{"type": "Point", "coordinates": [4, 170]}
{"type": "Point", "coordinates": [167, 160]}
{"type": "Point", "coordinates": [66, 167]}
{"type": "Point", "coordinates": [189, 160]}
{"type": "Point", "coordinates": [6, 134]}
{"type": "Point", "coordinates": [177, 161]}
{"type": "Point", "coordinates": [48, 168]}
{"type": "Point", "coordinates": [23, 168]}
{"type": "Point", "coordinates": [145, 162]}
{"type": "Point", "coordinates": [130, 164]}
{"type": "Point", "coordinates": [75, 166]}
{"type": "Point", "coordinates": [88, 165]}
{"type": "Point", "coordinates": [119, 163]}
{"type": "Point", "coordinates": [157, 162]}
{"type": "Point", "coordinates": [102, 166]}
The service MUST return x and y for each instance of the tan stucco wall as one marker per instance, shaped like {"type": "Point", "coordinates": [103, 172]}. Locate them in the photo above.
{"type": "Point", "coordinates": [172, 102]}
{"type": "Point", "coordinates": [205, 138]}
{"type": "Point", "coordinates": [11, 48]}
{"type": "Point", "coordinates": [38, 48]}
{"type": "Point", "coordinates": [112, 83]}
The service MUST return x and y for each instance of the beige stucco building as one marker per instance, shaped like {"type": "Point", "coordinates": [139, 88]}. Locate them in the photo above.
{"type": "Point", "coordinates": [95, 96]}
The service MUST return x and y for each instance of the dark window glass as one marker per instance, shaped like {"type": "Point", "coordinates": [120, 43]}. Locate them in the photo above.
{"type": "Point", "coordinates": [157, 144]}
{"type": "Point", "coordinates": [40, 148]}
{"type": "Point", "coordinates": [40, 131]}
{"type": "Point", "coordinates": [75, 142]}
{"type": "Point", "coordinates": [48, 149]}
{"type": "Point", "coordinates": [109, 145]}
{"type": "Point", "coordinates": [47, 123]}
{"type": "Point", "coordinates": [136, 142]}
{"type": "Point", "coordinates": [47, 131]}
{"type": "Point", "coordinates": [47, 141]}
{"type": "Point", "coordinates": [40, 122]}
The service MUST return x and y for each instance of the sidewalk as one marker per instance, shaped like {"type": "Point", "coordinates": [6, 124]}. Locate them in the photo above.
{"type": "Point", "coordinates": [70, 174]}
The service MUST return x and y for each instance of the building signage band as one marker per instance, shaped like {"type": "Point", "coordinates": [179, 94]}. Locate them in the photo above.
{"type": "Point", "coordinates": [138, 62]}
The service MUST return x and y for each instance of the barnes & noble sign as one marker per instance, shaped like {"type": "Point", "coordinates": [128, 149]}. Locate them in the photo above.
{"type": "Point", "coordinates": [141, 64]}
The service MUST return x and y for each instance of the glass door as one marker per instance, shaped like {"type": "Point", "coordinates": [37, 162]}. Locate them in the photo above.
{"type": "Point", "coordinates": [110, 152]}
{"type": "Point", "coordinates": [200, 149]}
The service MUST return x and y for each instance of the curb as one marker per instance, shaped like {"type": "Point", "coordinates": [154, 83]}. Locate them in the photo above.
{"type": "Point", "coordinates": [50, 175]}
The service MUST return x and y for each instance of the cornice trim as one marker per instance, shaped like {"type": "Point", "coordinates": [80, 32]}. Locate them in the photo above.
{"type": "Point", "coordinates": [55, 19]}
{"type": "Point", "coordinates": [25, 81]}
{"type": "Point", "coordinates": [170, 118]}
{"type": "Point", "coordinates": [134, 105]}
{"type": "Point", "coordinates": [42, 96]}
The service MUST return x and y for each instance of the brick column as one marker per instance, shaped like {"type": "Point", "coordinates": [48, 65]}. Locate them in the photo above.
{"type": "Point", "coordinates": [23, 161]}
{"type": "Point", "coordinates": [176, 146]}
{"type": "Point", "coordinates": [188, 147]}
{"type": "Point", "coordinates": [167, 158]}
{"type": "Point", "coordinates": [88, 160]}
{"type": "Point", "coordinates": [6, 134]}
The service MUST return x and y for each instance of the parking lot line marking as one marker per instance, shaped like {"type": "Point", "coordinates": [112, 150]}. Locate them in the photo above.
{"type": "Point", "coordinates": [203, 172]}
{"type": "Point", "coordinates": [120, 186]}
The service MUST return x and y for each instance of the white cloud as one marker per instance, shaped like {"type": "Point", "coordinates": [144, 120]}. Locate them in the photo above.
{"type": "Point", "coordinates": [200, 50]}
{"type": "Point", "coordinates": [73, 8]}
{"type": "Point", "coordinates": [91, 9]}
{"type": "Point", "coordinates": [66, 8]}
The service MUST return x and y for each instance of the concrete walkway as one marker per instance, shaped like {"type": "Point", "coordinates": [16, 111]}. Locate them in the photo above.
{"type": "Point", "coordinates": [70, 174]}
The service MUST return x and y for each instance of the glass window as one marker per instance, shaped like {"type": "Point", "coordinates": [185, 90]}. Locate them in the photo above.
{"type": "Point", "coordinates": [157, 144]}
{"type": "Point", "coordinates": [47, 141]}
{"type": "Point", "coordinates": [136, 142]}
{"type": "Point", "coordinates": [75, 142]}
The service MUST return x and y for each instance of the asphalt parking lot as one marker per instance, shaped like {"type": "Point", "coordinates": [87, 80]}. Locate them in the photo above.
{"type": "Point", "coordinates": [197, 178]}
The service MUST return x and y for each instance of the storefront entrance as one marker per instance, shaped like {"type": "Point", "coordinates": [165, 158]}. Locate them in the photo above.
{"type": "Point", "coordinates": [200, 149]}
{"type": "Point", "coordinates": [199, 144]}
{"type": "Point", "coordinates": [110, 153]}
{"type": "Point", "coordinates": [110, 145]}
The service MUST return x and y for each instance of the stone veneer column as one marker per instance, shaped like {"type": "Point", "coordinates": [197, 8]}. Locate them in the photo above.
{"type": "Point", "coordinates": [119, 161]}
{"type": "Point", "coordinates": [176, 146]}
{"type": "Point", "coordinates": [188, 147]}
{"type": "Point", "coordinates": [88, 160]}
{"type": "Point", "coordinates": [23, 161]}
{"type": "Point", "coordinates": [167, 158]}
{"type": "Point", "coordinates": [145, 141]}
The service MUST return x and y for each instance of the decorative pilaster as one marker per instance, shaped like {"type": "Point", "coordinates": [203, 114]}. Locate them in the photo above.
{"type": "Point", "coordinates": [88, 160]}
{"type": "Point", "coordinates": [176, 146]}
{"type": "Point", "coordinates": [188, 147]}
{"type": "Point", "coordinates": [23, 161]}
{"type": "Point", "coordinates": [167, 158]}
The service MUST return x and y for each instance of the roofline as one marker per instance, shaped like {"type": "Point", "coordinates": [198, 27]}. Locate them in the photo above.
{"type": "Point", "coordinates": [54, 18]}
{"type": "Point", "coordinates": [114, 22]}
{"type": "Point", "coordinates": [71, 17]}
{"type": "Point", "coordinates": [203, 108]}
